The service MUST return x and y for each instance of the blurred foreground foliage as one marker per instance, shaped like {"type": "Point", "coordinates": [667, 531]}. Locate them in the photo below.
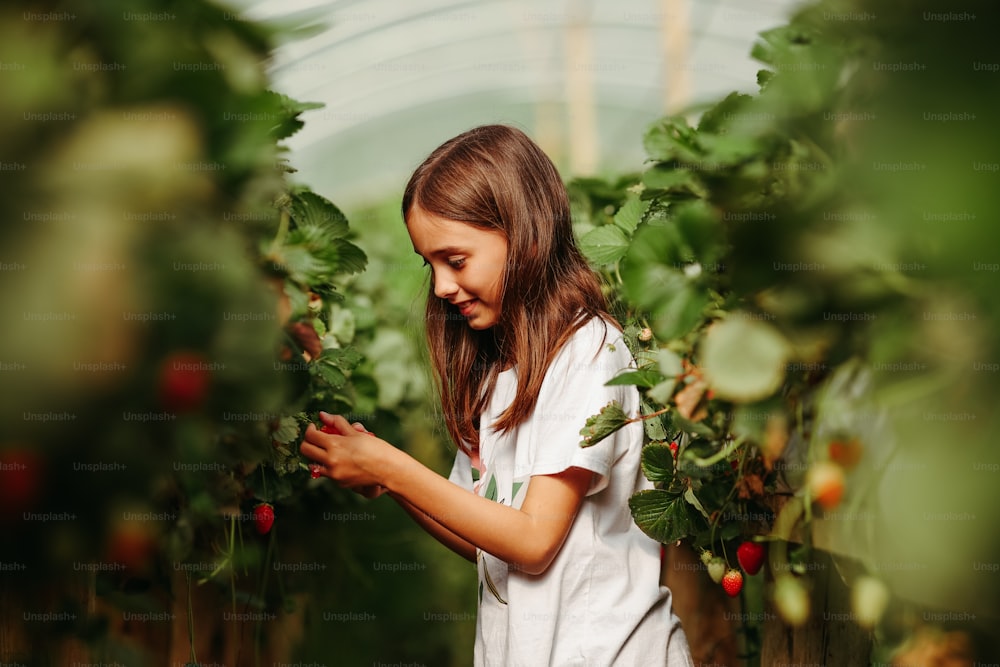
{"type": "Point", "coordinates": [176, 311]}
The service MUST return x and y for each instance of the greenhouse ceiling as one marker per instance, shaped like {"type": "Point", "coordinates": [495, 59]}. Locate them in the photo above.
{"type": "Point", "coordinates": [584, 78]}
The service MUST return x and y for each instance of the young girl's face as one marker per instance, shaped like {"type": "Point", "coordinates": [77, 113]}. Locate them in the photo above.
{"type": "Point", "coordinates": [467, 264]}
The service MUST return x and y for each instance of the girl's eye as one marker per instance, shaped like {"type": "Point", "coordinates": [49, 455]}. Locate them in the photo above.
{"type": "Point", "coordinates": [456, 263]}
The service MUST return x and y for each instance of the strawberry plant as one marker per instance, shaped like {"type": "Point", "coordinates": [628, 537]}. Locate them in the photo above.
{"type": "Point", "coordinates": [803, 317]}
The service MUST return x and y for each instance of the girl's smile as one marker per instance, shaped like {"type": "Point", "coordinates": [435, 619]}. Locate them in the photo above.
{"type": "Point", "coordinates": [467, 264]}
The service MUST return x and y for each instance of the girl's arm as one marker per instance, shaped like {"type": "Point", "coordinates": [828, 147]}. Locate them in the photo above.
{"type": "Point", "coordinates": [527, 538]}
{"type": "Point", "coordinates": [462, 547]}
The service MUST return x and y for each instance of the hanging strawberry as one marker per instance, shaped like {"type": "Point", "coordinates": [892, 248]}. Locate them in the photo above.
{"type": "Point", "coordinates": [750, 556]}
{"type": "Point", "coordinates": [183, 381]}
{"type": "Point", "coordinates": [263, 518]}
{"type": "Point", "coordinates": [732, 583]}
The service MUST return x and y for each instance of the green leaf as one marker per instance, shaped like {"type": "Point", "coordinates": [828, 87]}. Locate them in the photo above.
{"type": "Point", "coordinates": [720, 116]}
{"type": "Point", "coordinates": [604, 245]}
{"type": "Point", "coordinates": [344, 358]}
{"type": "Point", "coordinates": [695, 428]}
{"type": "Point", "coordinates": [672, 139]}
{"type": "Point", "coordinates": [654, 425]}
{"type": "Point", "coordinates": [312, 255]}
{"type": "Point", "coordinates": [643, 377]}
{"type": "Point", "coordinates": [679, 313]}
{"type": "Point", "coordinates": [599, 426]}
{"type": "Point", "coordinates": [288, 111]}
{"type": "Point", "coordinates": [692, 499]}
{"type": "Point", "coordinates": [658, 463]}
{"type": "Point", "coordinates": [662, 392]}
{"type": "Point", "coordinates": [743, 359]}
{"type": "Point", "coordinates": [287, 431]}
{"type": "Point", "coordinates": [630, 214]}
{"type": "Point", "coordinates": [674, 180]}
{"type": "Point", "coordinates": [329, 374]}
{"type": "Point", "coordinates": [670, 363]}
{"type": "Point", "coordinates": [311, 210]}
{"type": "Point", "coordinates": [663, 516]}
{"type": "Point", "coordinates": [700, 230]}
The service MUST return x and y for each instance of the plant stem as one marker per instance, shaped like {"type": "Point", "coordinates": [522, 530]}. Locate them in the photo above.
{"type": "Point", "coordinates": [279, 237]}
{"type": "Point", "coordinates": [190, 613]}
{"type": "Point", "coordinates": [719, 455]}
{"type": "Point", "coordinates": [641, 417]}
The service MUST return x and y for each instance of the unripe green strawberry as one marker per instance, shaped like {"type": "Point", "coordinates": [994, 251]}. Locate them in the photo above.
{"type": "Point", "coordinates": [716, 569]}
{"type": "Point", "coordinates": [792, 600]}
{"type": "Point", "coordinates": [706, 556]}
{"type": "Point", "coordinates": [732, 582]}
{"type": "Point", "coordinates": [869, 598]}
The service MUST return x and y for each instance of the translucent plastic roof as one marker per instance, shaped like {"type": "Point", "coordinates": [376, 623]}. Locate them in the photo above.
{"type": "Point", "coordinates": [584, 78]}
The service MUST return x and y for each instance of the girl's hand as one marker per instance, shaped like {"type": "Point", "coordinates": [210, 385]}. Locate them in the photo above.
{"type": "Point", "coordinates": [346, 458]}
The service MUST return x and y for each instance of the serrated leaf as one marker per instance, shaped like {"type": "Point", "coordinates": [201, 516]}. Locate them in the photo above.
{"type": "Point", "coordinates": [661, 515]}
{"type": "Point", "coordinates": [672, 139]}
{"type": "Point", "coordinates": [599, 426]}
{"type": "Point", "coordinates": [288, 111]}
{"type": "Point", "coordinates": [287, 431]}
{"type": "Point", "coordinates": [658, 463]}
{"type": "Point", "coordinates": [351, 258]}
{"type": "Point", "coordinates": [604, 245]}
{"type": "Point", "coordinates": [309, 209]}
{"type": "Point", "coordinates": [643, 377]}
{"type": "Point", "coordinates": [630, 214]}
{"type": "Point", "coordinates": [329, 374]}
{"type": "Point", "coordinates": [345, 358]}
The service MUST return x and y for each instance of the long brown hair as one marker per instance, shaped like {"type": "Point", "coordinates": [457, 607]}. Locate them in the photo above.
{"type": "Point", "coordinates": [496, 178]}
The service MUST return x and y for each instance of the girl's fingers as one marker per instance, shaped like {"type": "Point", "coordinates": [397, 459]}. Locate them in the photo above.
{"type": "Point", "coordinates": [312, 452]}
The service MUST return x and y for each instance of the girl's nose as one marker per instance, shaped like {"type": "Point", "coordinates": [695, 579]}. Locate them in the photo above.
{"type": "Point", "coordinates": [444, 285]}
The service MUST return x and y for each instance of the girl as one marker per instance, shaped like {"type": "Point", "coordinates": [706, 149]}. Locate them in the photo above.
{"type": "Point", "coordinates": [522, 344]}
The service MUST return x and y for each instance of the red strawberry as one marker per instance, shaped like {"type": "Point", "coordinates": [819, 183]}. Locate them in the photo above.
{"type": "Point", "coordinates": [20, 482]}
{"type": "Point", "coordinates": [750, 556]}
{"type": "Point", "coordinates": [732, 583]}
{"type": "Point", "coordinates": [183, 381]}
{"type": "Point", "coordinates": [673, 448]}
{"type": "Point", "coordinates": [263, 518]}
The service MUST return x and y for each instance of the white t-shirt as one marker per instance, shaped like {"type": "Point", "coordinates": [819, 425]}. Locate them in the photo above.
{"type": "Point", "coordinates": [599, 603]}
